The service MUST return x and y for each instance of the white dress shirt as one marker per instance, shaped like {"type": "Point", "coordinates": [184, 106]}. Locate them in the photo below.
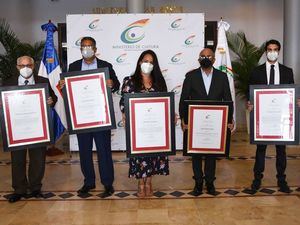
{"type": "Point", "coordinates": [21, 80]}
{"type": "Point", "coordinates": [207, 79]}
{"type": "Point", "coordinates": [276, 70]}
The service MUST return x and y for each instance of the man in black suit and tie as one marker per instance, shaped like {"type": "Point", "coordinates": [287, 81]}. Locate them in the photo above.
{"type": "Point", "coordinates": [271, 72]}
{"type": "Point", "coordinates": [37, 156]}
{"type": "Point", "coordinates": [102, 138]}
{"type": "Point", "coordinates": [204, 83]}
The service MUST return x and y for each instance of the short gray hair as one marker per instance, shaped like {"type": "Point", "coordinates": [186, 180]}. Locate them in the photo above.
{"type": "Point", "coordinates": [24, 57]}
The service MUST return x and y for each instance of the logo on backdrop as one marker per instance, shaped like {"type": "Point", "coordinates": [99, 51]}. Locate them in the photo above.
{"type": "Point", "coordinates": [77, 43]}
{"type": "Point", "coordinates": [132, 35]}
{"type": "Point", "coordinates": [164, 72]}
{"type": "Point", "coordinates": [177, 59]}
{"type": "Point", "coordinates": [176, 25]}
{"type": "Point", "coordinates": [94, 24]}
{"type": "Point", "coordinates": [134, 32]}
{"type": "Point", "coordinates": [189, 41]}
{"type": "Point", "coordinates": [121, 58]}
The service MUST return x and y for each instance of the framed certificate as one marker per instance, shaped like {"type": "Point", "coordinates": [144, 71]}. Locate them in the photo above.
{"type": "Point", "coordinates": [25, 117]}
{"type": "Point", "coordinates": [207, 132]}
{"type": "Point", "coordinates": [150, 124]}
{"type": "Point", "coordinates": [274, 118]}
{"type": "Point", "coordinates": [88, 101]}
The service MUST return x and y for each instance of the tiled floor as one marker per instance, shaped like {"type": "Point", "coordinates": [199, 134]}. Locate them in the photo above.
{"type": "Point", "coordinates": [172, 203]}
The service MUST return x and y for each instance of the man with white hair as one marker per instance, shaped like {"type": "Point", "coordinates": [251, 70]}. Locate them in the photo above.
{"type": "Point", "coordinates": [21, 182]}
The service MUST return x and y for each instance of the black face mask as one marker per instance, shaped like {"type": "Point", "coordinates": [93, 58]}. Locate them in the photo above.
{"type": "Point", "coordinates": [205, 63]}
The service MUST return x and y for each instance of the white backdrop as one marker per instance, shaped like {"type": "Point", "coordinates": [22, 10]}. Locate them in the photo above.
{"type": "Point", "coordinates": [176, 39]}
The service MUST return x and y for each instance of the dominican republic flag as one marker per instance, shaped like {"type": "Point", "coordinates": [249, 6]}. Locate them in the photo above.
{"type": "Point", "coordinates": [223, 61]}
{"type": "Point", "coordinates": [50, 69]}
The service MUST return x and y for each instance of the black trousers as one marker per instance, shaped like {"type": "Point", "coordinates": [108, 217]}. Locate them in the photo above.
{"type": "Point", "coordinates": [209, 168]}
{"type": "Point", "coordinates": [36, 169]}
{"type": "Point", "coordinates": [105, 163]}
{"type": "Point", "coordinates": [259, 165]}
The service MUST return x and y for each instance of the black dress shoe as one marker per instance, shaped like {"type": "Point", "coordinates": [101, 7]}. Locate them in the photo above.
{"type": "Point", "coordinates": [85, 189]}
{"type": "Point", "coordinates": [15, 197]}
{"type": "Point", "coordinates": [211, 188]}
{"type": "Point", "coordinates": [108, 191]}
{"type": "Point", "coordinates": [255, 186]}
{"type": "Point", "coordinates": [283, 187]}
{"type": "Point", "coordinates": [198, 188]}
{"type": "Point", "coordinates": [36, 194]}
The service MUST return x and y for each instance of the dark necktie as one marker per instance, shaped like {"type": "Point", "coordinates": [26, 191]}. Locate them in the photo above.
{"type": "Point", "coordinates": [26, 82]}
{"type": "Point", "coordinates": [272, 75]}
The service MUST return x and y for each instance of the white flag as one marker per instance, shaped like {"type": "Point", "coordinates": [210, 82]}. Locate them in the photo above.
{"type": "Point", "coordinates": [223, 61]}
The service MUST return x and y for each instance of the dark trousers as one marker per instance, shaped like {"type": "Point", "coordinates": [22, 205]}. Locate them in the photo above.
{"type": "Point", "coordinates": [259, 165]}
{"type": "Point", "coordinates": [105, 163]}
{"type": "Point", "coordinates": [209, 168]}
{"type": "Point", "coordinates": [36, 169]}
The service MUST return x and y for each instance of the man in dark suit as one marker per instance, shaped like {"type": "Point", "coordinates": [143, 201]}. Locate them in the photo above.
{"type": "Point", "coordinates": [271, 72]}
{"type": "Point", "coordinates": [37, 156]}
{"type": "Point", "coordinates": [204, 83]}
{"type": "Point", "coordinates": [102, 138]}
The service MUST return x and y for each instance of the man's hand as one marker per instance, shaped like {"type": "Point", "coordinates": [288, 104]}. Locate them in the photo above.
{"type": "Point", "coordinates": [231, 126]}
{"type": "Point", "coordinates": [249, 106]}
{"type": "Point", "coordinates": [109, 83]}
{"type": "Point", "coordinates": [61, 84]}
{"type": "Point", "coordinates": [50, 101]}
{"type": "Point", "coordinates": [184, 126]}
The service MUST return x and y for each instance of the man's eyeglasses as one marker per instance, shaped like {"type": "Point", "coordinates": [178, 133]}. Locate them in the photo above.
{"type": "Point", "coordinates": [203, 57]}
{"type": "Point", "coordinates": [27, 65]}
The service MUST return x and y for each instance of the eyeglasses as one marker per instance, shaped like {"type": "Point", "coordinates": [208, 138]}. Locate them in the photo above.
{"type": "Point", "coordinates": [203, 57]}
{"type": "Point", "coordinates": [27, 65]}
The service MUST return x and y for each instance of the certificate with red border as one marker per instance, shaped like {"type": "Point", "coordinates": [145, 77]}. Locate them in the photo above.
{"type": "Point", "coordinates": [25, 116]}
{"type": "Point", "coordinates": [88, 101]}
{"type": "Point", "coordinates": [207, 132]}
{"type": "Point", "coordinates": [274, 114]}
{"type": "Point", "coordinates": [150, 124]}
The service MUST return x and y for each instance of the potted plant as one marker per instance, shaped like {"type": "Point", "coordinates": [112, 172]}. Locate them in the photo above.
{"type": "Point", "coordinates": [14, 48]}
{"type": "Point", "coordinates": [246, 58]}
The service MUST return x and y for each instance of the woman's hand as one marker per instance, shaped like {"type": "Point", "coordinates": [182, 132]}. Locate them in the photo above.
{"type": "Point", "coordinates": [123, 119]}
{"type": "Point", "coordinates": [184, 126]}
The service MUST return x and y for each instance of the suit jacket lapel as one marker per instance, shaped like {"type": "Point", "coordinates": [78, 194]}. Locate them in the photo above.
{"type": "Point", "coordinates": [281, 76]}
{"type": "Point", "coordinates": [212, 84]}
{"type": "Point", "coordinates": [264, 72]}
{"type": "Point", "coordinates": [202, 86]}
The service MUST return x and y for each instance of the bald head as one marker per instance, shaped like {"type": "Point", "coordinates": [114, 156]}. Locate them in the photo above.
{"type": "Point", "coordinates": [207, 52]}
{"type": "Point", "coordinates": [206, 58]}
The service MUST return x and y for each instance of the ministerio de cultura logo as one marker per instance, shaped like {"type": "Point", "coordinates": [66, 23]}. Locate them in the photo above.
{"type": "Point", "coordinates": [134, 32]}
{"type": "Point", "coordinates": [189, 40]}
{"type": "Point", "coordinates": [176, 23]}
{"type": "Point", "coordinates": [176, 58]}
{"type": "Point", "coordinates": [94, 24]}
{"type": "Point", "coordinates": [121, 58]}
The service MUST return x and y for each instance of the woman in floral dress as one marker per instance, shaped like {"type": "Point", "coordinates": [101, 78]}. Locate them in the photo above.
{"type": "Point", "coordinates": [146, 78]}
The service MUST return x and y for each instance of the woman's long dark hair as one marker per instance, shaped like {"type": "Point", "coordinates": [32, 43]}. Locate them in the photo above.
{"type": "Point", "coordinates": [158, 81]}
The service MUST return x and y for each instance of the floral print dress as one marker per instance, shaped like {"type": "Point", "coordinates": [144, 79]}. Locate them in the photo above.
{"type": "Point", "coordinates": [142, 167]}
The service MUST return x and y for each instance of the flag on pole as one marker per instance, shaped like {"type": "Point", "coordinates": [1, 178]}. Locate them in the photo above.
{"type": "Point", "coordinates": [50, 69]}
{"type": "Point", "coordinates": [223, 61]}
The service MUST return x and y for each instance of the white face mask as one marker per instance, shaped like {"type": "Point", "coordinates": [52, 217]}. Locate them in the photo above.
{"type": "Point", "coordinates": [146, 68]}
{"type": "Point", "coordinates": [26, 72]}
{"type": "Point", "coordinates": [87, 53]}
{"type": "Point", "coordinates": [272, 56]}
